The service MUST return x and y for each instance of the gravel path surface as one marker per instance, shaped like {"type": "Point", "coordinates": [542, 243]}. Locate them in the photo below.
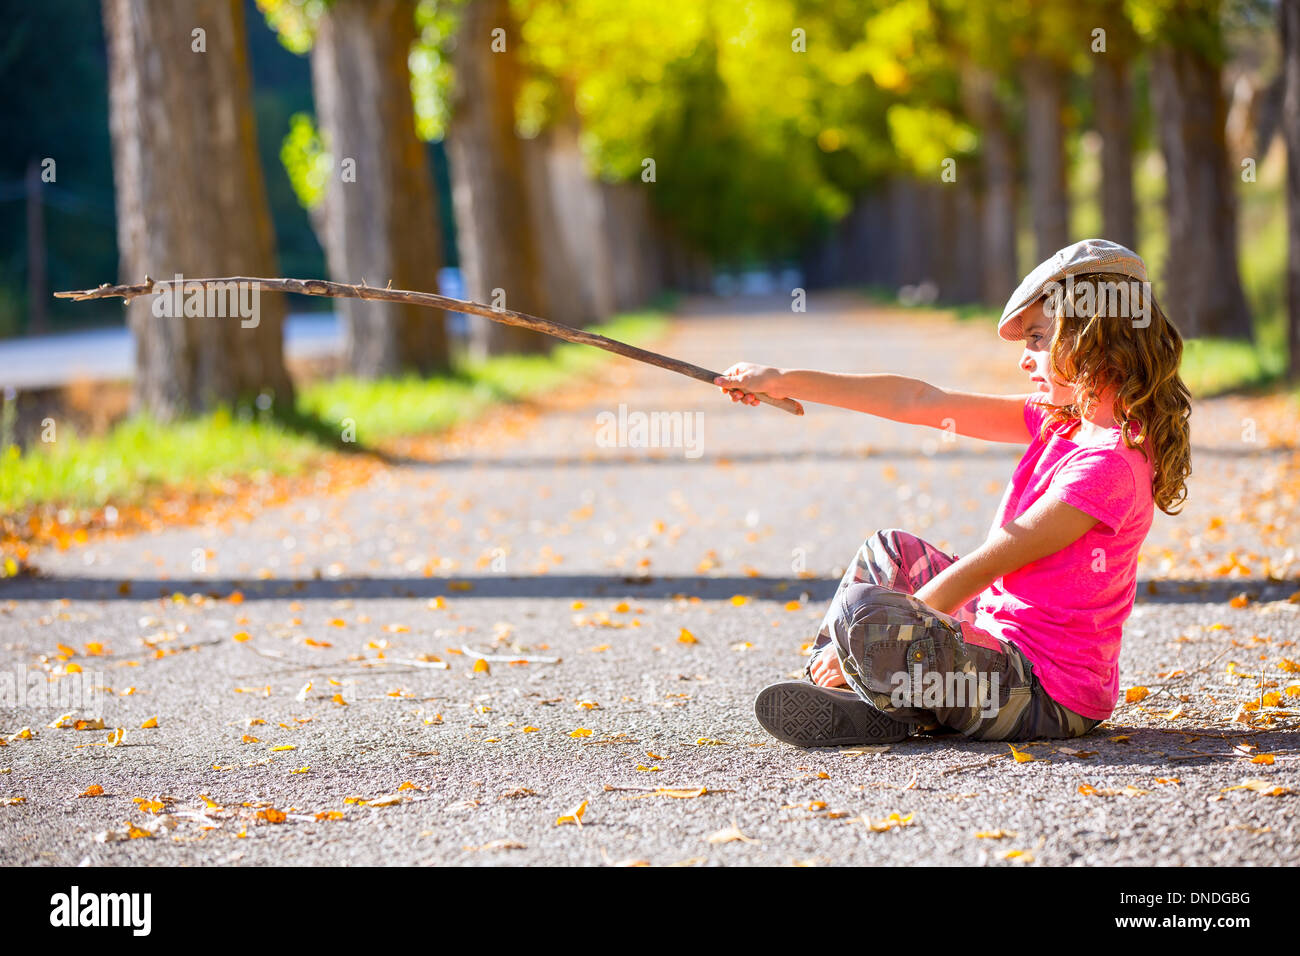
{"type": "Point", "coordinates": [320, 626]}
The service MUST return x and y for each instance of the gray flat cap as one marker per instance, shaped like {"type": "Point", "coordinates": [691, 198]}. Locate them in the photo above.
{"type": "Point", "coordinates": [1088, 255]}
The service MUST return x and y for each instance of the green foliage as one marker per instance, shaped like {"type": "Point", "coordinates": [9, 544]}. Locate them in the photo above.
{"type": "Point", "coordinates": [927, 136]}
{"type": "Point", "coordinates": [294, 21]}
{"type": "Point", "coordinates": [763, 119]}
{"type": "Point", "coordinates": [306, 160]}
{"type": "Point", "coordinates": [431, 73]}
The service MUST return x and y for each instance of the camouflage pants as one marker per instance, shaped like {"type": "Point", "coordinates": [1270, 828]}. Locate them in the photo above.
{"type": "Point", "coordinates": [923, 666]}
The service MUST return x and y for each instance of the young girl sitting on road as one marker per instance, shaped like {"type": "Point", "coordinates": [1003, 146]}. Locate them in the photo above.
{"type": "Point", "coordinates": [1019, 639]}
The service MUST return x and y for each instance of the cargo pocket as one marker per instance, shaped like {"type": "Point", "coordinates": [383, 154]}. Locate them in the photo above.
{"type": "Point", "coordinates": [890, 662]}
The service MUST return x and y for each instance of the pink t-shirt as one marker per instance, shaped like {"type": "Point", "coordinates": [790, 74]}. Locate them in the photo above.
{"type": "Point", "coordinates": [1066, 611]}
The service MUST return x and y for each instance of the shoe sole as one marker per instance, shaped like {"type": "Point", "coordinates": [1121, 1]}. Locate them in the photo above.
{"type": "Point", "coordinates": [808, 715]}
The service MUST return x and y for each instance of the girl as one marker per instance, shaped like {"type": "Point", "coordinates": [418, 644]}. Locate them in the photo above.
{"type": "Point", "coordinates": [1019, 639]}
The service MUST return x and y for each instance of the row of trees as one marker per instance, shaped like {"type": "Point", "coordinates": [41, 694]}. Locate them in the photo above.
{"type": "Point", "coordinates": [191, 196]}
{"type": "Point", "coordinates": [602, 149]}
{"type": "Point", "coordinates": [1025, 77]}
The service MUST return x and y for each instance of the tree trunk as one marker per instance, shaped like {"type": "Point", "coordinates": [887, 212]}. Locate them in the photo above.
{"type": "Point", "coordinates": [846, 255]}
{"type": "Point", "coordinates": [1112, 92]}
{"type": "Point", "coordinates": [648, 233]}
{"type": "Point", "coordinates": [903, 213]}
{"type": "Point", "coordinates": [688, 269]}
{"type": "Point", "coordinates": [628, 235]}
{"type": "Point", "coordinates": [915, 213]}
{"type": "Point", "coordinates": [566, 256]}
{"type": "Point", "coordinates": [576, 208]}
{"type": "Point", "coordinates": [1049, 200]}
{"type": "Point", "coordinates": [881, 250]}
{"type": "Point", "coordinates": [498, 241]}
{"type": "Point", "coordinates": [960, 262]}
{"type": "Point", "coordinates": [191, 199]}
{"type": "Point", "coordinates": [1202, 285]}
{"type": "Point", "coordinates": [1289, 13]}
{"type": "Point", "coordinates": [379, 214]}
{"type": "Point", "coordinates": [1001, 273]}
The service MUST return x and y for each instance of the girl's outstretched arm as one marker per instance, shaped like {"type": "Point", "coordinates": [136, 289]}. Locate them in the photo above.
{"type": "Point", "coordinates": [1048, 526]}
{"type": "Point", "coordinates": [896, 397]}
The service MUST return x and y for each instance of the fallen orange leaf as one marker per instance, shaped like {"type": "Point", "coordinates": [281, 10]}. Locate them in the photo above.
{"type": "Point", "coordinates": [573, 816]}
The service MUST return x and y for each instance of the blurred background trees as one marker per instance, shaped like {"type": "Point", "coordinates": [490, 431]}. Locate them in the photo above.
{"type": "Point", "coordinates": [367, 181]}
{"type": "Point", "coordinates": [573, 158]}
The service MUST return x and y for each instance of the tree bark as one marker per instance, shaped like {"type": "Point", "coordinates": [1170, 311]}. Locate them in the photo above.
{"type": "Point", "coordinates": [1112, 92]}
{"type": "Point", "coordinates": [854, 236]}
{"type": "Point", "coordinates": [190, 199]}
{"type": "Point", "coordinates": [960, 261]}
{"type": "Point", "coordinates": [1049, 200]}
{"type": "Point", "coordinates": [497, 236]}
{"type": "Point", "coordinates": [1202, 284]}
{"type": "Point", "coordinates": [379, 215]}
{"type": "Point", "coordinates": [916, 209]}
{"type": "Point", "coordinates": [628, 234]}
{"type": "Point", "coordinates": [882, 252]}
{"type": "Point", "coordinates": [847, 254]}
{"type": "Point", "coordinates": [1001, 273]}
{"type": "Point", "coordinates": [1289, 14]}
{"type": "Point", "coordinates": [687, 268]}
{"type": "Point", "coordinates": [566, 256]}
{"type": "Point", "coordinates": [572, 216]}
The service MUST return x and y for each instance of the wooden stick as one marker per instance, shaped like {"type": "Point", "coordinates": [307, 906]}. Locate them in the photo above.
{"type": "Point", "coordinates": [341, 290]}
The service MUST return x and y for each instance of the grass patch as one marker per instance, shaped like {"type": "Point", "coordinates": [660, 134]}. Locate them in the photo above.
{"type": "Point", "coordinates": [1215, 366]}
{"type": "Point", "coordinates": [965, 311]}
{"type": "Point", "coordinates": [413, 405]}
{"type": "Point", "coordinates": [138, 456]}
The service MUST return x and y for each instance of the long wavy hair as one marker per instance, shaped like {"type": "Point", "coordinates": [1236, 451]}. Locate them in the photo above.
{"type": "Point", "coordinates": [1096, 345]}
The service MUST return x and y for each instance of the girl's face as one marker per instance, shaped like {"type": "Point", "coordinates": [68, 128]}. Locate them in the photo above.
{"type": "Point", "coordinates": [1038, 329]}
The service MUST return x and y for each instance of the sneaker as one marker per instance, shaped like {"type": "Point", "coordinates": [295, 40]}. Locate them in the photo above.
{"type": "Point", "coordinates": [809, 715]}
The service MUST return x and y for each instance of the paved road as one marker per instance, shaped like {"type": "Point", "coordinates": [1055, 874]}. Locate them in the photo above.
{"type": "Point", "coordinates": [101, 355]}
{"type": "Point", "coordinates": [534, 538]}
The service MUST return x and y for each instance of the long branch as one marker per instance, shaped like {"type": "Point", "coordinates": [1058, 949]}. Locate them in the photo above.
{"type": "Point", "coordinates": [342, 290]}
